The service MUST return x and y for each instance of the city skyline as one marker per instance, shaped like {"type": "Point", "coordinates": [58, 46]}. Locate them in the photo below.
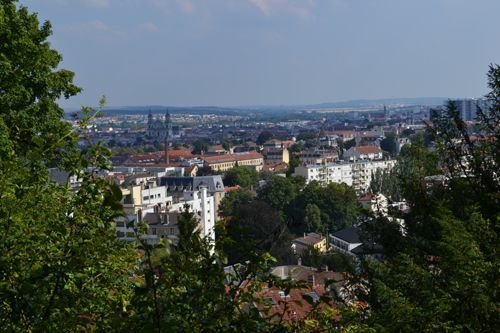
{"type": "Point", "coordinates": [271, 52]}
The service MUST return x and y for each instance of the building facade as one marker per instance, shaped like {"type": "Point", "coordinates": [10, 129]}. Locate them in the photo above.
{"type": "Point", "coordinates": [229, 161]}
{"type": "Point", "coordinates": [356, 174]}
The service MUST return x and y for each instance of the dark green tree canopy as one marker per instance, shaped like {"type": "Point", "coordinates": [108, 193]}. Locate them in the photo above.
{"type": "Point", "coordinates": [246, 177]}
{"type": "Point", "coordinates": [30, 82]}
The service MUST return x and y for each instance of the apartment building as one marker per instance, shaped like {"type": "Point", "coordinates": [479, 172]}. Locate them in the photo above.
{"type": "Point", "coordinates": [356, 174]}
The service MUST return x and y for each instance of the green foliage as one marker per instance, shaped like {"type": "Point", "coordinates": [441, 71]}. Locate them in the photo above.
{"type": "Point", "coordinates": [254, 229]}
{"type": "Point", "coordinates": [233, 200]}
{"type": "Point", "coordinates": [349, 144]}
{"type": "Point", "coordinates": [337, 204]}
{"type": "Point", "coordinates": [186, 291]}
{"type": "Point", "coordinates": [387, 183]}
{"type": "Point", "coordinates": [296, 148]}
{"type": "Point", "coordinates": [307, 136]}
{"type": "Point", "coordinates": [388, 144]}
{"type": "Point", "coordinates": [337, 262]}
{"type": "Point", "coordinates": [441, 274]}
{"type": "Point", "coordinates": [200, 146]}
{"type": "Point", "coordinates": [292, 164]}
{"type": "Point", "coordinates": [263, 137]}
{"type": "Point", "coordinates": [30, 84]}
{"type": "Point", "coordinates": [246, 177]}
{"type": "Point", "coordinates": [61, 266]}
{"type": "Point", "coordinates": [312, 218]}
{"type": "Point", "coordinates": [278, 192]}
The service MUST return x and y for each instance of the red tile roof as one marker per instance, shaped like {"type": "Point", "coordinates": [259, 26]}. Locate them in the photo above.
{"type": "Point", "coordinates": [179, 153]}
{"type": "Point", "coordinates": [232, 188]}
{"type": "Point", "coordinates": [309, 239]}
{"type": "Point", "coordinates": [368, 150]}
{"type": "Point", "coordinates": [366, 197]}
{"type": "Point", "coordinates": [344, 133]}
{"type": "Point", "coordinates": [277, 167]}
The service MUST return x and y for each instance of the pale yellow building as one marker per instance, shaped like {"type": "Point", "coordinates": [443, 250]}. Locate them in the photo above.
{"type": "Point", "coordinates": [309, 241]}
{"type": "Point", "coordinates": [229, 161]}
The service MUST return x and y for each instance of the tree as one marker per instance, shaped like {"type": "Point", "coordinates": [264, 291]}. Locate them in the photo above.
{"type": "Point", "coordinates": [61, 266]}
{"type": "Point", "coordinates": [278, 192]}
{"type": "Point", "coordinates": [246, 177]}
{"type": "Point", "coordinates": [292, 164]}
{"type": "Point", "coordinates": [307, 136]}
{"type": "Point", "coordinates": [233, 200]}
{"type": "Point", "coordinates": [200, 146]}
{"type": "Point", "coordinates": [387, 183]}
{"type": "Point", "coordinates": [439, 274]}
{"type": "Point", "coordinates": [388, 144]}
{"type": "Point", "coordinates": [30, 84]}
{"type": "Point", "coordinates": [263, 137]}
{"type": "Point", "coordinates": [312, 218]}
{"type": "Point", "coordinates": [255, 229]}
{"type": "Point", "coordinates": [185, 290]}
{"type": "Point", "coordinates": [337, 204]}
{"type": "Point", "coordinates": [205, 171]}
{"type": "Point", "coordinates": [349, 144]}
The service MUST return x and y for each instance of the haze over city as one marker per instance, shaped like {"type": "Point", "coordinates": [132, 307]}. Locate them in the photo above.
{"type": "Point", "coordinates": [271, 52]}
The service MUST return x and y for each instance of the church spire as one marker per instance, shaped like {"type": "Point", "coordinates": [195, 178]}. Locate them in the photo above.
{"type": "Point", "coordinates": [167, 118]}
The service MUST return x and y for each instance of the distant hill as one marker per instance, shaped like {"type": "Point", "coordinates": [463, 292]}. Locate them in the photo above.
{"type": "Point", "coordinates": [238, 110]}
{"type": "Point", "coordinates": [430, 101]}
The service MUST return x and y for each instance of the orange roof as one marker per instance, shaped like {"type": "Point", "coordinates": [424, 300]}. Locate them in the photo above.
{"type": "Point", "coordinates": [366, 197]}
{"type": "Point", "coordinates": [151, 157]}
{"type": "Point", "coordinates": [276, 167]}
{"type": "Point", "coordinates": [368, 149]}
{"type": "Point", "coordinates": [231, 157]}
{"type": "Point", "coordinates": [309, 239]}
{"type": "Point", "coordinates": [180, 153]}
{"type": "Point", "coordinates": [293, 306]}
{"type": "Point", "coordinates": [232, 188]}
{"type": "Point", "coordinates": [344, 133]}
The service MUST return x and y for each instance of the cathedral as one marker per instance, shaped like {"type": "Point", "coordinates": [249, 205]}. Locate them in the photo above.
{"type": "Point", "coordinates": [160, 130]}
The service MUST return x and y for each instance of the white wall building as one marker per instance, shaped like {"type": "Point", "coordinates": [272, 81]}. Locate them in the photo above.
{"type": "Point", "coordinates": [356, 174]}
{"type": "Point", "coordinates": [142, 200]}
{"type": "Point", "coordinates": [325, 174]}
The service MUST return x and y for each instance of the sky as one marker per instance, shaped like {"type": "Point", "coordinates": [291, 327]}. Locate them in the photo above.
{"type": "Point", "coordinates": [272, 52]}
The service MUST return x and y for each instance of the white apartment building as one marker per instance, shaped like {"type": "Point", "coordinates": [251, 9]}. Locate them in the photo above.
{"type": "Point", "coordinates": [356, 174]}
{"type": "Point", "coordinates": [363, 172]}
{"type": "Point", "coordinates": [152, 201]}
{"type": "Point", "coordinates": [327, 173]}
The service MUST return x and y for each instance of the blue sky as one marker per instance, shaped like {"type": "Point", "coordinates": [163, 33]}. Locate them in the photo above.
{"type": "Point", "coordinates": [272, 52]}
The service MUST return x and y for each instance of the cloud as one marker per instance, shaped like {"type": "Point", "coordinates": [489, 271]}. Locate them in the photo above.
{"type": "Point", "coordinates": [262, 5]}
{"type": "Point", "coordinates": [299, 8]}
{"type": "Point", "coordinates": [186, 5]}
